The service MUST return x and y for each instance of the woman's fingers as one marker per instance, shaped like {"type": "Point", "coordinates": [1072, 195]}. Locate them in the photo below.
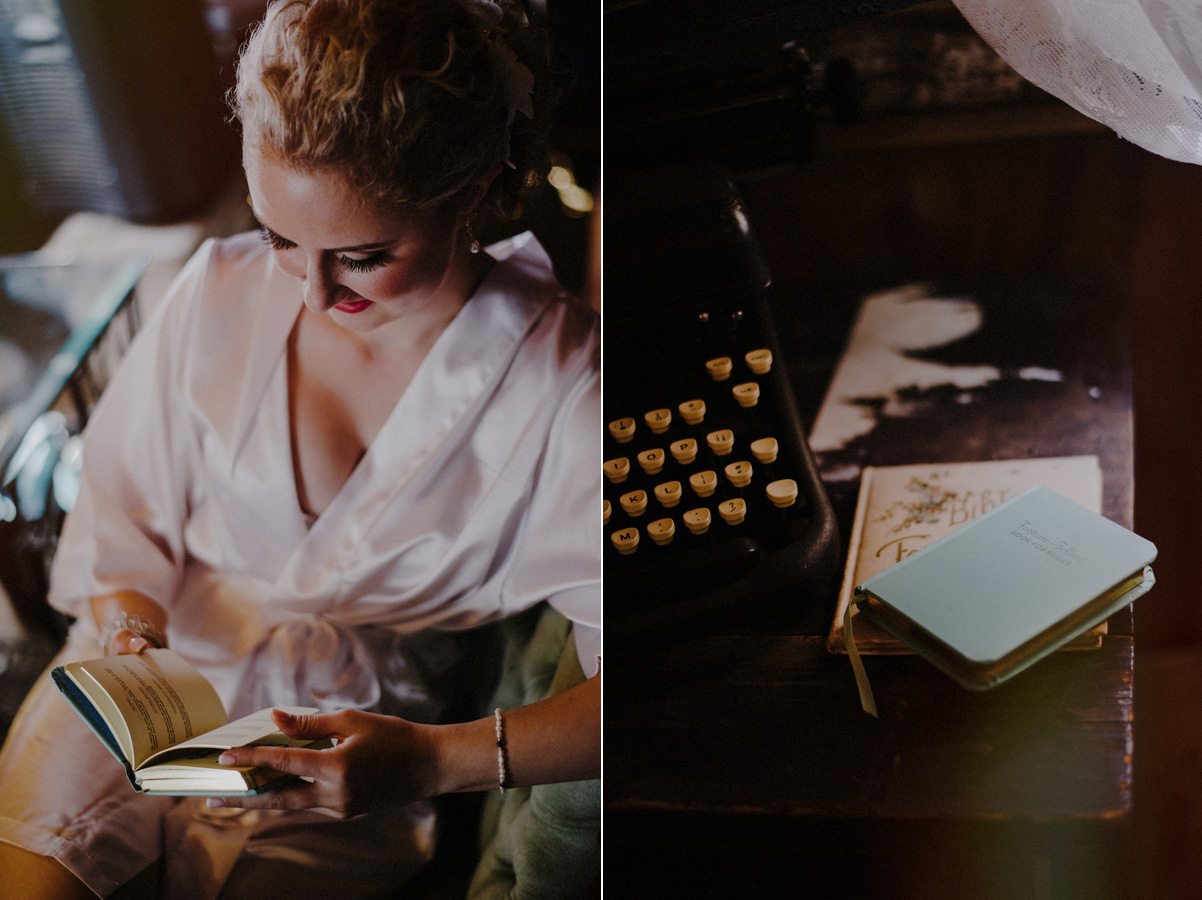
{"type": "Point", "coordinates": [293, 760]}
{"type": "Point", "coordinates": [378, 760]}
{"type": "Point", "coordinates": [127, 641]}
{"type": "Point", "coordinates": [324, 784]}
{"type": "Point", "coordinates": [310, 727]}
{"type": "Point", "coordinates": [138, 644]}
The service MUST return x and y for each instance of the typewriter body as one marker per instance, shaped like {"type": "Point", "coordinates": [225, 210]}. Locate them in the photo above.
{"type": "Point", "coordinates": [713, 505]}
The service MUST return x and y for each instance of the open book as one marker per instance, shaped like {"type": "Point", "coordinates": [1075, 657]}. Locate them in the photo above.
{"type": "Point", "coordinates": [165, 723]}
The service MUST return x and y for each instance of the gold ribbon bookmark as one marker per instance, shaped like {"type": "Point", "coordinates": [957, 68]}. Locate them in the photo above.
{"type": "Point", "coordinates": [857, 664]}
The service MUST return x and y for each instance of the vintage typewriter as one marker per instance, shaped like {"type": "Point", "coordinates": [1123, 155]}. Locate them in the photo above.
{"type": "Point", "coordinates": [712, 503]}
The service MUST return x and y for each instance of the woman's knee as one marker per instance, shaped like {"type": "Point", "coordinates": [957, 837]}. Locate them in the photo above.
{"type": "Point", "coordinates": [30, 876]}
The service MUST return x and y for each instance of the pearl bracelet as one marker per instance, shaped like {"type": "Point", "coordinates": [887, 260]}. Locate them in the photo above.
{"type": "Point", "coordinates": [502, 773]}
{"type": "Point", "coordinates": [135, 623]}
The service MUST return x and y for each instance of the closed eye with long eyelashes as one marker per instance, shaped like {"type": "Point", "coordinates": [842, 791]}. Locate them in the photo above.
{"type": "Point", "coordinates": [369, 263]}
{"type": "Point", "coordinates": [273, 240]}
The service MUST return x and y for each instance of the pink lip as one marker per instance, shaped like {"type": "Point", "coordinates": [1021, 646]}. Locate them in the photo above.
{"type": "Point", "coordinates": [353, 306]}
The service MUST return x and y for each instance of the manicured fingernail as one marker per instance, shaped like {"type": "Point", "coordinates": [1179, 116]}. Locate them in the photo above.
{"type": "Point", "coordinates": [214, 801]}
{"type": "Point", "coordinates": [226, 759]}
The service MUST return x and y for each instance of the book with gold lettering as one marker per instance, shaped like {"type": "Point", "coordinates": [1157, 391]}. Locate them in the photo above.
{"type": "Point", "coordinates": [166, 725]}
{"type": "Point", "coordinates": [902, 509]}
{"type": "Point", "coordinates": [1005, 589]}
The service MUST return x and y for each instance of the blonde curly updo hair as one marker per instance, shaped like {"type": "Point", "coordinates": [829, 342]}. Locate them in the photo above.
{"type": "Point", "coordinates": [416, 102]}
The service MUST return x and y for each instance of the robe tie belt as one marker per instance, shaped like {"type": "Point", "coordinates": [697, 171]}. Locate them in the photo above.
{"type": "Point", "coordinates": [310, 661]}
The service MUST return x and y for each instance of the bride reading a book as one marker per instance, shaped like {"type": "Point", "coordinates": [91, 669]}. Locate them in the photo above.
{"type": "Point", "coordinates": [336, 446]}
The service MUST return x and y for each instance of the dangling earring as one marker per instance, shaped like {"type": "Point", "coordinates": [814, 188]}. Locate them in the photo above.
{"type": "Point", "coordinates": [473, 243]}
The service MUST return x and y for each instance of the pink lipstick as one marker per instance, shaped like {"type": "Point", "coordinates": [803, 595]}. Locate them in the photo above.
{"type": "Point", "coordinates": [353, 306]}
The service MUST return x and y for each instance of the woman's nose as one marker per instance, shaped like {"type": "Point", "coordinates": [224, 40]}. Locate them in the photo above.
{"type": "Point", "coordinates": [320, 287]}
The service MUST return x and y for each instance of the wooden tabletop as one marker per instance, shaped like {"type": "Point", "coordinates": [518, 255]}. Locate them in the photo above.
{"type": "Point", "coordinates": [740, 751]}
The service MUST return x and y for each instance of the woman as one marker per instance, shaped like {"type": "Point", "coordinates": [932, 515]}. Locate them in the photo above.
{"type": "Point", "coordinates": [328, 451]}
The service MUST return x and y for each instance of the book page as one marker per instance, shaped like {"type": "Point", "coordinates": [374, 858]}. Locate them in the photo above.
{"type": "Point", "coordinates": [902, 509]}
{"type": "Point", "coordinates": [150, 701]}
{"type": "Point", "coordinates": [257, 728]}
{"type": "Point", "coordinates": [204, 775]}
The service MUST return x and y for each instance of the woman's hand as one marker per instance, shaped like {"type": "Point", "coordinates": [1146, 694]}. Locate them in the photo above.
{"type": "Point", "coordinates": [378, 761]}
{"type": "Point", "coordinates": [127, 641]}
{"type": "Point", "coordinates": [147, 622]}
{"type": "Point", "coordinates": [383, 761]}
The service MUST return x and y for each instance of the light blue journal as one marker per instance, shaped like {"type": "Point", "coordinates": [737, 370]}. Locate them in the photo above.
{"type": "Point", "coordinates": [991, 598]}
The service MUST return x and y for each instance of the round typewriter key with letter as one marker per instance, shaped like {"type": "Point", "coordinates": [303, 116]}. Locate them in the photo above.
{"type": "Point", "coordinates": [719, 368]}
{"type": "Point", "coordinates": [658, 420]}
{"type": "Point", "coordinates": [634, 503]}
{"type": "Point", "coordinates": [692, 411]}
{"type": "Point", "coordinates": [703, 483]}
{"type": "Point", "coordinates": [739, 474]}
{"type": "Point", "coordinates": [668, 493]}
{"type": "Point", "coordinates": [625, 541]}
{"type": "Point", "coordinates": [747, 394]}
{"type": "Point", "coordinates": [684, 451]}
{"type": "Point", "coordinates": [622, 429]}
{"type": "Point", "coordinates": [759, 361]}
{"type": "Point", "coordinates": [765, 450]}
{"type": "Point", "coordinates": [652, 460]}
{"type": "Point", "coordinates": [733, 511]}
{"type": "Point", "coordinates": [616, 470]}
{"type": "Point", "coordinates": [698, 520]}
{"type": "Point", "coordinates": [606, 511]}
{"type": "Point", "coordinates": [782, 493]}
{"type": "Point", "coordinates": [721, 442]}
{"type": "Point", "coordinates": [662, 531]}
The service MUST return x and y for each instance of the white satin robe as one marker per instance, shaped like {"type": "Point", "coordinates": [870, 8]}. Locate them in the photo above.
{"type": "Point", "coordinates": [477, 500]}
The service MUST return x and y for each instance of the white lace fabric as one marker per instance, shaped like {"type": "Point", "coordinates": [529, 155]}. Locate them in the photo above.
{"type": "Point", "coordinates": [1134, 65]}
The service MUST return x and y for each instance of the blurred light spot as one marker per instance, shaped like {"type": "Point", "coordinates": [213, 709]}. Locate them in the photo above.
{"type": "Point", "coordinates": [741, 220]}
{"type": "Point", "coordinates": [577, 202]}
{"type": "Point", "coordinates": [576, 198]}
{"type": "Point", "coordinates": [1036, 373]}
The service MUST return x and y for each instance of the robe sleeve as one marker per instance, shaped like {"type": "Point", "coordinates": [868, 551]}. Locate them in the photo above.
{"type": "Point", "coordinates": [559, 556]}
{"type": "Point", "coordinates": [126, 529]}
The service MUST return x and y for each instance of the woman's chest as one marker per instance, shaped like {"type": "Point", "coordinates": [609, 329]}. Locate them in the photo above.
{"type": "Point", "coordinates": [338, 403]}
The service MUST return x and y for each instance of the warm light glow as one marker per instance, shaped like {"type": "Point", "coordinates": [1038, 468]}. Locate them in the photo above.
{"type": "Point", "coordinates": [560, 178]}
{"type": "Point", "coordinates": [576, 198]}
{"type": "Point", "coordinates": [577, 202]}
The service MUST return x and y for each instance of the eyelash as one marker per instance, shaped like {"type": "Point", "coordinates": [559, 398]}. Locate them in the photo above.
{"type": "Point", "coordinates": [368, 263]}
{"type": "Point", "coordinates": [358, 266]}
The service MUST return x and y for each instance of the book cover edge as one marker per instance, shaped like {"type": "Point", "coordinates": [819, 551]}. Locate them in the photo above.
{"type": "Point", "coordinates": [1030, 659]}
{"type": "Point", "coordinates": [73, 695]}
{"type": "Point", "coordinates": [834, 638]}
{"type": "Point", "coordinates": [866, 588]}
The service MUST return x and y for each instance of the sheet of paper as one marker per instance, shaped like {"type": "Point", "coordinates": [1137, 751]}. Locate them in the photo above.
{"type": "Point", "coordinates": [249, 729]}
